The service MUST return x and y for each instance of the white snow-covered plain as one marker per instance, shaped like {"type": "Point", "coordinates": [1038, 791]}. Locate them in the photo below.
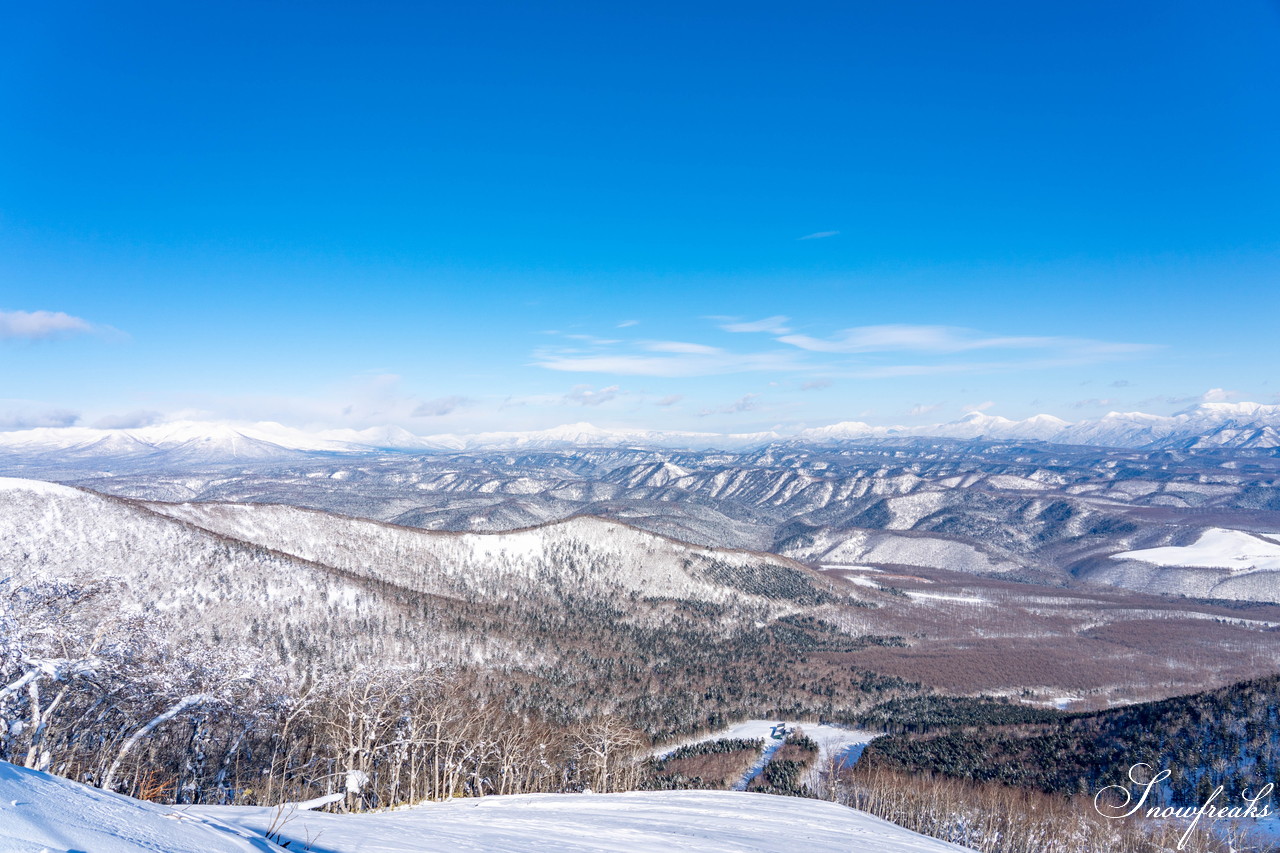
{"type": "Point", "coordinates": [45, 814]}
{"type": "Point", "coordinates": [1216, 548]}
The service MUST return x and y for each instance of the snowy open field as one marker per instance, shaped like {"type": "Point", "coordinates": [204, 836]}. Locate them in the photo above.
{"type": "Point", "coordinates": [47, 814]}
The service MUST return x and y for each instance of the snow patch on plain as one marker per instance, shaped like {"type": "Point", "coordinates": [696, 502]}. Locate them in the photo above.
{"type": "Point", "coordinates": [937, 596]}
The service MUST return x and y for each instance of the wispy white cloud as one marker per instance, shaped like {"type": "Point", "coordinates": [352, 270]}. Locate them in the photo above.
{"type": "Point", "coordinates": [892, 371]}
{"type": "Point", "coordinates": [586, 395]}
{"type": "Point", "coordinates": [34, 418]}
{"type": "Point", "coordinates": [1213, 395]}
{"type": "Point", "coordinates": [129, 420]}
{"type": "Point", "coordinates": [815, 384]}
{"type": "Point", "coordinates": [681, 347]}
{"type": "Point", "coordinates": [669, 400]}
{"type": "Point", "coordinates": [1219, 395]}
{"type": "Point", "coordinates": [932, 345]}
{"type": "Point", "coordinates": [40, 325]}
{"type": "Point", "coordinates": [439, 406]}
{"type": "Point", "coordinates": [1092, 403]}
{"type": "Point", "coordinates": [979, 407]}
{"type": "Point", "coordinates": [592, 339]}
{"type": "Point", "coordinates": [923, 409]}
{"type": "Point", "coordinates": [818, 235]}
{"type": "Point", "coordinates": [745, 403]}
{"type": "Point", "coordinates": [944, 339]}
{"type": "Point", "coordinates": [675, 364]}
{"type": "Point", "coordinates": [773, 325]}
{"type": "Point", "coordinates": [625, 324]}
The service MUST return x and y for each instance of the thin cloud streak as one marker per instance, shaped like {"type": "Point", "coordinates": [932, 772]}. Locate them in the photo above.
{"type": "Point", "coordinates": [672, 366]}
{"type": "Point", "coordinates": [773, 325]}
{"type": "Point", "coordinates": [41, 325]}
{"type": "Point", "coordinates": [943, 339]}
{"type": "Point", "coordinates": [828, 356]}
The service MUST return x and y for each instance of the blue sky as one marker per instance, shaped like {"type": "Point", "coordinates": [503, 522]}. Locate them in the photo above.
{"type": "Point", "coordinates": [728, 217]}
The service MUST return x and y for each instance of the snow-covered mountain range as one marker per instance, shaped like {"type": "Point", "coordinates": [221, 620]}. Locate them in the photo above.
{"type": "Point", "coordinates": [1205, 426]}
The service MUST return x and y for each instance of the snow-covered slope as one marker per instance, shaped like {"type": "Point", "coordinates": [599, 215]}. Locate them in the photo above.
{"type": "Point", "coordinates": [306, 586]}
{"type": "Point", "coordinates": [580, 553]}
{"type": "Point", "coordinates": [1234, 550]}
{"type": "Point", "coordinates": [1219, 563]}
{"type": "Point", "coordinates": [640, 822]}
{"type": "Point", "coordinates": [859, 546]}
{"type": "Point", "coordinates": [206, 583]}
{"type": "Point", "coordinates": [41, 813]}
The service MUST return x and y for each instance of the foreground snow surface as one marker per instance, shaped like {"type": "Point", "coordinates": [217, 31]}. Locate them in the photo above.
{"type": "Point", "coordinates": [40, 813]}
{"type": "Point", "coordinates": [639, 822]}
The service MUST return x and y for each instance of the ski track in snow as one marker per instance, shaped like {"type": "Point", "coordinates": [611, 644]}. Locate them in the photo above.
{"type": "Point", "coordinates": [832, 740]}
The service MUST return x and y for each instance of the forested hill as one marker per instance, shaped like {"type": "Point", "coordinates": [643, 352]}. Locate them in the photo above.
{"type": "Point", "coordinates": [1229, 736]}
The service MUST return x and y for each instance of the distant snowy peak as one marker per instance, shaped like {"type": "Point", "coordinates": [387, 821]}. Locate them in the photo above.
{"type": "Point", "coordinates": [589, 435]}
{"type": "Point", "coordinates": [1208, 425]}
{"type": "Point", "coordinates": [1205, 426]}
{"type": "Point", "coordinates": [972, 425]}
{"type": "Point", "coordinates": [196, 438]}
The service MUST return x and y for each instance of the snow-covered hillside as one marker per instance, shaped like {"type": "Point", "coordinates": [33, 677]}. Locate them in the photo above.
{"type": "Point", "coordinates": [1220, 563]}
{"type": "Point", "coordinates": [41, 813]}
{"type": "Point", "coordinates": [1234, 550]}
{"type": "Point", "coordinates": [904, 548]}
{"type": "Point", "coordinates": [581, 552]}
{"type": "Point", "coordinates": [305, 586]}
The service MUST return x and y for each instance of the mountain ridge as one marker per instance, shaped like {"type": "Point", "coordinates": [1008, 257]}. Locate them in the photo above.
{"type": "Point", "coordinates": [1204, 426]}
